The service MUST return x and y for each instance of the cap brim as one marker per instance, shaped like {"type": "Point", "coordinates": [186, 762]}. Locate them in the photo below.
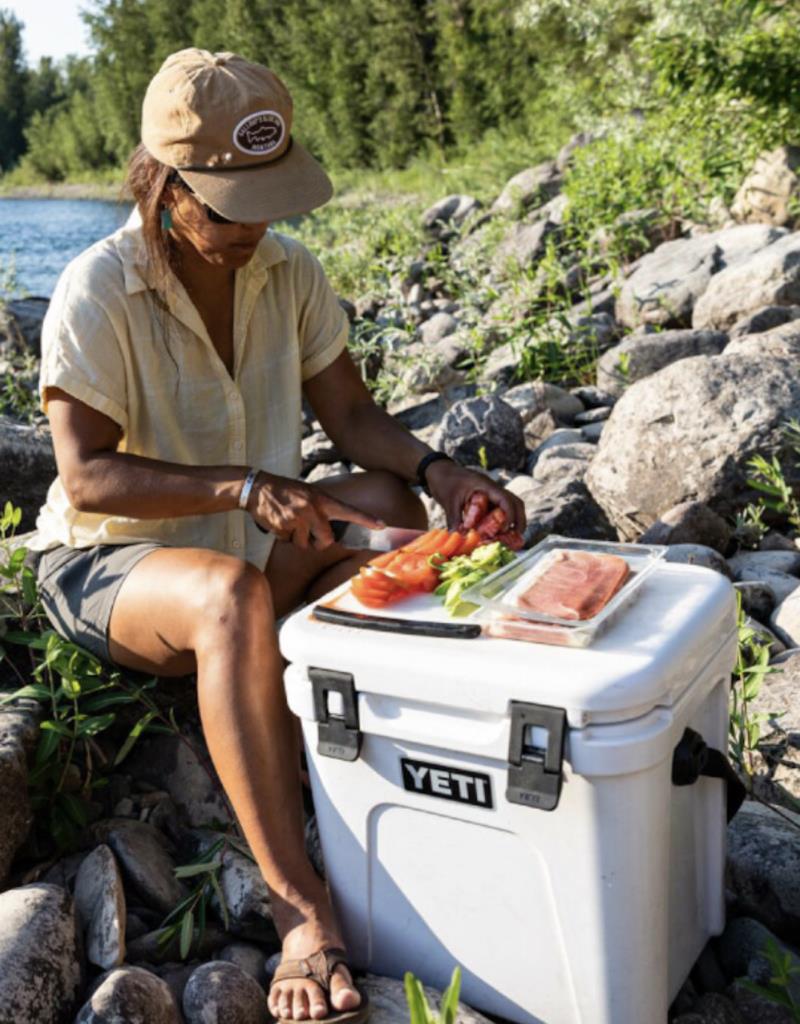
{"type": "Point", "coordinates": [292, 185]}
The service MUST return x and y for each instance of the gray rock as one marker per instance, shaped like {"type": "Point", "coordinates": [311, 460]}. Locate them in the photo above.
{"type": "Point", "coordinates": [567, 152]}
{"type": "Point", "coordinates": [598, 415]}
{"type": "Point", "coordinates": [592, 431]}
{"type": "Point", "coordinates": [174, 764]}
{"type": "Point", "coordinates": [687, 433]}
{"type": "Point", "coordinates": [100, 905]}
{"type": "Point", "coordinates": [698, 554]}
{"type": "Point", "coordinates": [755, 1009]}
{"type": "Point", "coordinates": [21, 326]}
{"type": "Point", "coordinates": [777, 561]}
{"type": "Point", "coordinates": [783, 340]}
{"type": "Point", "coordinates": [763, 320]}
{"type": "Point", "coordinates": [741, 949]}
{"type": "Point", "coordinates": [536, 396]}
{"type": "Point", "coordinates": [540, 428]}
{"type": "Point", "coordinates": [388, 1002]}
{"type": "Point", "coordinates": [423, 368]}
{"type": "Point", "coordinates": [593, 397]}
{"type": "Point", "coordinates": [447, 213]}
{"type": "Point", "coordinates": [640, 355]}
{"type": "Point", "coordinates": [27, 467]}
{"type": "Point", "coordinates": [130, 995]}
{"type": "Point", "coordinates": [564, 436]}
{"type": "Point", "coordinates": [669, 282]}
{"type": "Point", "coordinates": [146, 864]}
{"type": "Point", "coordinates": [562, 506]}
{"type": "Point", "coordinates": [768, 278]}
{"type": "Point", "coordinates": [40, 969]}
{"type": "Point", "coordinates": [528, 187]}
{"type": "Point", "coordinates": [691, 522]}
{"type": "Point", "coordinates": [776, 775]}
{"type": "Point", "coordinates": [779, 699]}
{"type": "Point", "coordinates": [774, 541]}
{"type": "Point", "coordinates": [19, 731]}
{"type": "Point", "coordinates": [316, 448]}
{"type": "Point", "coordinates": [249, 958]}
{"type": "Point", "coordinates": [594, 333]}
{"type": "Point", "coordinates": [246, 896]}
{"type": "Point", "coordinates": [523, 245]}
{"type": "Point", "coordinates": [562, 462]}
{"type": "Point", "coordinates": [712, 1008]}
{"type": "Point", "coordinates": [322, 471]}
{"type": "Point", "coordinates": [437, 327]}
{"type": "Point", "coordinates": [763, 871]}
{"type": "Point", "coordinates": [758, 599]}
{"type": "Point", "coordinates": [769, 193]}
{"type": "Point", "coordinates": [483, 425]}
{"type": "Point", "coordinates": [222, 993]}
{"type": "Point", "coordinates": [780, 583]}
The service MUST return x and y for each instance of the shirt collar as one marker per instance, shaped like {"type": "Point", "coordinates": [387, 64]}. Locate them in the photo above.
{"type": "Point", "coordinates": [138, 272]}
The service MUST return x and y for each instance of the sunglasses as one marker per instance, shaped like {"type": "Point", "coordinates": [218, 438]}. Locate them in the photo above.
{"type": "Point", "coordinates": [213, 216]}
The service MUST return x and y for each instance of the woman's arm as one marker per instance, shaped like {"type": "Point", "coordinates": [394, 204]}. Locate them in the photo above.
{"type": "Point", "coordinates": [98, 478]}
{"type": "Point", "coordinates": [370, 437]}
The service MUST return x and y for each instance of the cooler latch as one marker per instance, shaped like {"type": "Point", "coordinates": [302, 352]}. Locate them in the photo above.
{"type": "Point", "coordinates": [336, 711]}
{"type": "Point", "coordinates": [535, 755]}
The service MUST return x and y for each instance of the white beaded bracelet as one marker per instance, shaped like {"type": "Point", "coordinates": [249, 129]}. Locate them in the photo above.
{"type": "Point", "coordinates": [247, 487]}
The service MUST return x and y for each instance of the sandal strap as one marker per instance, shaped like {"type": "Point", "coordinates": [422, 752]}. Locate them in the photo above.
{"type": "Point", "coordinates": [318, 967]}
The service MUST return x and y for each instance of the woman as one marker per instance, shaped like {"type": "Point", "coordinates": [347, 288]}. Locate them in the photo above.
{"type": "Point", "coordinates": [175, 356]}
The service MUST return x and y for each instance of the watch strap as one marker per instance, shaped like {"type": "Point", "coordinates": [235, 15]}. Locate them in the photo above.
{"type": "Point", "coordinates": [422, 468]}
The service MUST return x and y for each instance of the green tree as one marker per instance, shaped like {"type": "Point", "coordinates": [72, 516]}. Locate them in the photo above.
{"type": "Point", "coordinates": [12, 90]}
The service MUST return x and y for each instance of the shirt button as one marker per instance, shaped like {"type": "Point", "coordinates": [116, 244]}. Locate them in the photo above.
{"type": "Point", "coordinates": [237, 446]}
{"type": "Point", "coordinates": [237, 543]}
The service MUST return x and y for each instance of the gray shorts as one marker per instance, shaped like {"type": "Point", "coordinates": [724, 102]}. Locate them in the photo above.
{"type": "Point", "coordinates": [78, 587]}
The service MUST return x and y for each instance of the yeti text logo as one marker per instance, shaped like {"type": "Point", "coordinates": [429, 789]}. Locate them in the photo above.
{"type": "Point", "coordinates": [448, 783]}
{"type": "Point", "coordinates": [259, 133]}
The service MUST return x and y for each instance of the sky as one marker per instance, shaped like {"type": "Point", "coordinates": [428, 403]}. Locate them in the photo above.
{"type": "Point", "coordinates": [53, 28]}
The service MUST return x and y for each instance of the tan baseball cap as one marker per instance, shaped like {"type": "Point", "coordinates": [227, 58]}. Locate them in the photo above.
{"type": "Point", "coordinates": [225, 124]}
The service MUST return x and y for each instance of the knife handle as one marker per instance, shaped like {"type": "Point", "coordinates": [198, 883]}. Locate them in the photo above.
{"type": "Point", "coordinates": [386, 624]}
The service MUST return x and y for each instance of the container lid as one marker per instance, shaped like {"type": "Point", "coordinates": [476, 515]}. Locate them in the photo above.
{"type": "Point", "coordinates": [682, 617]}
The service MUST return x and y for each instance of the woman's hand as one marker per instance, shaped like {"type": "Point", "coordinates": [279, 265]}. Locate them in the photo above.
{"type": "Point", "coordinates": [451, 485]}
{"type": "Point", "coordinates": [298, 512]}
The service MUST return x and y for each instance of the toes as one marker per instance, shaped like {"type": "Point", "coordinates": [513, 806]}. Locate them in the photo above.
{"type": "Point", "coordinates": [343, 993]}
{"type": "Point", "coordinates": [300, 1005]}
{"type": "Point", "coordinates": [318, 1007]}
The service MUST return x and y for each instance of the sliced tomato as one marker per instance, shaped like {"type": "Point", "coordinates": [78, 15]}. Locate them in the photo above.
{"type": "Point", "coordinates": [472, 539]}
{"type": "Point", "coordinates": [411, 570]}
{"type": "Point", "coordinates": [428, 543]}
{"type": "Point", "coordinates": [452, 546]}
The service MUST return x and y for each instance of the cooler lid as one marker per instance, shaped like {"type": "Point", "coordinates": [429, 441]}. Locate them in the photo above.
{"type": "Point", "coordinates": [682, 616]}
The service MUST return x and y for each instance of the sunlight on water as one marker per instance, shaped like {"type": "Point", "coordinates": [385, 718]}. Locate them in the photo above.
{"type": "Point", "coordinates": [38, 237]}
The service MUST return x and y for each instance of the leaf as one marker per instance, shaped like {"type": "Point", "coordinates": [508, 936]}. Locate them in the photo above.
{"type": "Point", "coordinates": [190, 870]}
{"type": "Point", "coordinates": [58, 727]}
{"type": "Point", "coordinates": [74, 808]}
{"type": "Point", "coordinates": [48, 744]}
{"type": "Point", "coordinates": [223, 906]}
{"type": "Point", "coordinates": [167, 934]}
{"type": "Point", "coordinates": [417, 1006]}
{"type": "Point", "coordinates": [35, 690]}
{"type": "Point", "coordinates": [133, 736]}
{"type": "Point", "coordinates": [95, 724]}
{"type": "Point", "coordinates": [187, 934]}
{"type": "Point", "coordinates": [449, 1008]}
{"type": "Point", "coordinates": [29, 588]}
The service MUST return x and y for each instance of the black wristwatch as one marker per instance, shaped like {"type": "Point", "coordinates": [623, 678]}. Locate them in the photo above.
{"type": "Point", "coordinates": [422, 468]}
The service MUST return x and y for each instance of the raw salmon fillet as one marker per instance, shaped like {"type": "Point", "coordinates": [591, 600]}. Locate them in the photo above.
{"type": "Point", "coordinates": [576, 585]}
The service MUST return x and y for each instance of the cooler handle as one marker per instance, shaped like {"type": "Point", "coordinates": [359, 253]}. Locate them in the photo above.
{"type": "Point", "coordinates": [387, 624]}
{"type": "Point", "coordinates": [693, 758]}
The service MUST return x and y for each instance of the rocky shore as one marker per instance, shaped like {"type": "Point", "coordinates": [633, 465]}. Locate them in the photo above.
{"type": "Point", "coordinates": [693, 352]}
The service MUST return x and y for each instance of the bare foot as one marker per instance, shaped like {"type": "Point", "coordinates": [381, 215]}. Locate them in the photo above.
{"type": "Point", "coordinates": [304, 934]}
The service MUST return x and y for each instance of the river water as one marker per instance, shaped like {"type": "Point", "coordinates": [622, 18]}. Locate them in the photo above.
{"type": "Point", "coordinates": [38, 237]}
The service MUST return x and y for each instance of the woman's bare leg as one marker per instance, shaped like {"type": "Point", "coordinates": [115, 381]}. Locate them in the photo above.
{"type": "Point", "coordinates": [185, 609]}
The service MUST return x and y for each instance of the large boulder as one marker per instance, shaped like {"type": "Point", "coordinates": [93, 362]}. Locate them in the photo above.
{"type": "Point", "coordinates": [686, 434]}
{"type": "Point", "coordinates": [641, 354]}
{"type": "Point", "coordinates": [40, 969]}
{"type": "Point", "coordinates": [522, 246]}
{"type": "Point", "coordinates": [130, 995]}
{"type": "Point", "coordinates": [536, 396]}
{"type": "Point", "coordinates": [532, 186]}
{"type": "Point", "coordinates": [483, 431]}
{"type": "Point", "coordinates": [669, 281]}
{"type": "Point", "coordinates": [783, 340]}
{"type": "Point", "coordinates": [763, 872]}
{"type": "Point", "coordinates": [559, 502]}
{"type": "Point", "coordinates": [770, 191]}
{"type": "Point", "coordinates": [27, 467]}
{"type": "Point", "coordinates": [770, 277]}
{"type": "Point", "coordinates": [21, 326]}
{"type": "Point", "coordinates": [447, 213]}
{"type": "Point", "coordinates": [691, 522]}
{"type": "Point", "coordinates": [18, 733]}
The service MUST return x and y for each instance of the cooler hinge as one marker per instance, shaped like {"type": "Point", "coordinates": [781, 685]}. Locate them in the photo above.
{"type": "Point", "coordinates": [535, 755]}
{"type": "Point", "coordinates": [338, 732]}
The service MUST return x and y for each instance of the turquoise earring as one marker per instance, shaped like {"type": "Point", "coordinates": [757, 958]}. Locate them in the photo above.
{"type": "Point", "coordinates": [166, 220]}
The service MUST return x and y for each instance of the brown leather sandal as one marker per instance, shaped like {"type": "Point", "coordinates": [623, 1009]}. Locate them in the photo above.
{"type": "Point", "coordinates": [319, 967]}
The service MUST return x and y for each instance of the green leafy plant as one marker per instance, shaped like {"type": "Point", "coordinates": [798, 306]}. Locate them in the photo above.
{"type": "Point", "coordinates": [769, 478]}
{"type": "Point", "coordinates": [784, 981]}
{"type": "Point", "coordinates": [187, 919]}
{"type": "Point", "coordinates": [419, 1010]}
{"type": "Point", "coordinates": [752, 667]}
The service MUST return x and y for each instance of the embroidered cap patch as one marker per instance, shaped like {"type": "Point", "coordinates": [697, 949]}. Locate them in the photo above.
{"type": "Point", "coordinates": [259, 133]}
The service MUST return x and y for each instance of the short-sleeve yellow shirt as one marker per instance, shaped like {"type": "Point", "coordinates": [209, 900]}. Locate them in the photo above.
{"type": "Point", "coordinates": [144, 358]}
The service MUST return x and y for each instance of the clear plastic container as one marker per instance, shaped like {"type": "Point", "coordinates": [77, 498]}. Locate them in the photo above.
{"type": "Point", "coordinates": [496, 596]}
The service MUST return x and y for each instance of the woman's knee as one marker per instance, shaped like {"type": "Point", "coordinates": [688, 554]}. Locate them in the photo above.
{"type": "Point", "coordinates": [232, 596]}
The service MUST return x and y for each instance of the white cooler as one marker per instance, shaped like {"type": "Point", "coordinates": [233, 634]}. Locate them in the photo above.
{"type": "Point", "coordinates": [509, 806]}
